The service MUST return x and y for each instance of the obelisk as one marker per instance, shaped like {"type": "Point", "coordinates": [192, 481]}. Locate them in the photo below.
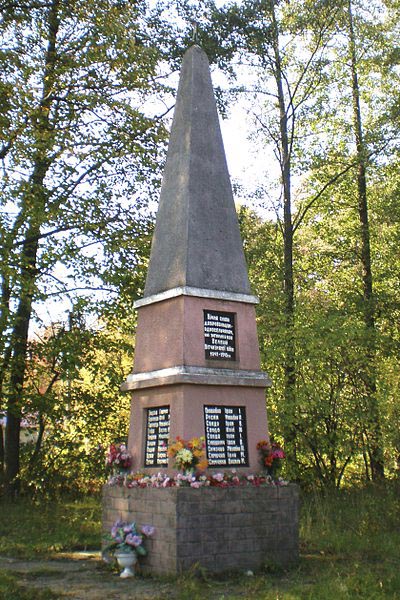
{"type": "Point", "coordinates": [197, 363]}
{"type": "Point", "coordinates": [197, 367]}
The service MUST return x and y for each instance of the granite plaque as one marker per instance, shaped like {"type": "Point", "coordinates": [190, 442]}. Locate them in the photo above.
{"type": "Point", "coordinates": [157, 436]}
{"type": "Point", "coordinates": [219, 335]}
{"type": "Point", "coordinates": [226, 436]}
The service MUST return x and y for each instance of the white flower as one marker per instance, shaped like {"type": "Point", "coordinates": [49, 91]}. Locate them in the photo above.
{"type": "Point", "coordinates": [184, 456]}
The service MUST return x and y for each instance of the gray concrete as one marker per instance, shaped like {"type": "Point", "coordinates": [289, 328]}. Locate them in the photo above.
{"type": "Point", "coordinates": [196, 242]}
{"type": "Point", "coordinates": [198, 293]}
{"type": "Point", "coordinates": [218, 528]}
{"type": "Point", "coordinates": [199, 375]}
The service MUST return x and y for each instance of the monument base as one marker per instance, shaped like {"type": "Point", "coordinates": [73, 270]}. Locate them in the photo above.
{"type": "Point", "coordinates": [219, 529]}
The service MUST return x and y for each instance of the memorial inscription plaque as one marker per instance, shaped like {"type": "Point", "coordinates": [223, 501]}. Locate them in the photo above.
{"type": "Point", "coordinates": [219, 335]}
{"type": "Point", "coordinates": [157, 436]}
{"type": "Point", "coordinates": [226, 436]}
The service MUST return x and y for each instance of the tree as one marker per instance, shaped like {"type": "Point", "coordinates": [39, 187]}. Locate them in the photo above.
{"type": "Point", "coordinates": [374, 427]}
{"type": "Point", "coordinates": [285, 44]}
{"type": "Point", "coordinates": [292, 47]}
{"type": "Point", "coordinates": [72, 404]}
{"type": "Point", "coordinates": [79, 153]}
{"type": "Point", "coordinates": [361, 133]}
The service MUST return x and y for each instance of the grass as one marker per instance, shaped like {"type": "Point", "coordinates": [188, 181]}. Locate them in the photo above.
{"type": "Point", "coordinates": [10, 589]}
{"type": "Point", "coordinates": [350, 548]}
{"type": "Point", "coordinates": [42, 529]}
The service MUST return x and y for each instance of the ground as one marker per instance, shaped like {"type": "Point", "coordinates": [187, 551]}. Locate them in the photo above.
{"type": "Point", "coordinates": [83, 576]}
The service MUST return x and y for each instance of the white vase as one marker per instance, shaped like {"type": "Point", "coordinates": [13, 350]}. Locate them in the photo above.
{"type": "Point", "coordinates": [126, 561]}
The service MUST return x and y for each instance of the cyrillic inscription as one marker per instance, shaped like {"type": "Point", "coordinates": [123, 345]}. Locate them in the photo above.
{"type": "Point", "coordinates": [219, 335]}
{"type": "Point", "coordinates": [226, 436]}
{"type": "Point", "coordinates": [157, 436]}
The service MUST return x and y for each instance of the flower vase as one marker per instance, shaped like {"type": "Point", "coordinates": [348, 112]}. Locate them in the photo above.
{"type": "Point", "coordinates": [188, 472]}
{"type": "Point", "coordinates": [126, 560]}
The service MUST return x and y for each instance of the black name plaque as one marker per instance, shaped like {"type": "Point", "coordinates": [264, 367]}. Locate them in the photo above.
{"type": "Point", "coordinates": [219, 335]}
{"type": "Point", "coordinates": [157, 436]}
{"type": "Point", "coordinates": [226, 436]}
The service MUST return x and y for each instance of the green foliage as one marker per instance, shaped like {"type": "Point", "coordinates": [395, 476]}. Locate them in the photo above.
{"type": "Point", "coordinates": [82, 150]}
{"type": "Point", "coordinates": [332, 395]}
{"type": "Point", "coordinates": [81, 414]}
{"type": "Point", "coordinates": [81, 153]}
{"type": "Point", "coordinates": [358, 522]}
{"type": "Point", "coordinates": [343, 380]}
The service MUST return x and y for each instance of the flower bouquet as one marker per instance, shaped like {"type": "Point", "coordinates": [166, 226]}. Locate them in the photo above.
{"type": "Point", "coordinates": [189, 455]}
{"type": "Point", "coordinates": [118, 459]}
{"type": "Point", "coordinates": [271, 455]}
{"type": "Point", "coordinates": [128, 537]}
{"type": "Point", "coordinates": [126, 544]}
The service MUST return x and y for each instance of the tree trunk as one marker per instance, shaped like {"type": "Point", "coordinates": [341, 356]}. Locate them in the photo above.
{"type": "Point", "coordinates": [18, 361]}
{"type": "Point", "coordinates": [38, 445]}
{"type": "Point", "coordinates": [373, 425]}
{"type": "Point", "coordinates": [289, 412]}
{"type": "Point", "coordinates": [1, 453]}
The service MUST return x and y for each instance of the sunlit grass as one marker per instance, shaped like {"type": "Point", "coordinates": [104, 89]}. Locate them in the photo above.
{"type": "Point", "coordinates": [38, 529]}
{"type": "Point", "coordinates": [363, 523]}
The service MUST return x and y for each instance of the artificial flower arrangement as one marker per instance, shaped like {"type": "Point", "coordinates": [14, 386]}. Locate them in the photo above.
{"type": "Point", "coordinates": [271, 456]}
{"type": "Point", "coordinates": [128, 538]}
{"type": "Point", "coordinates": [190, 459]}
{"type": "Point", "coordinates": [118, 459]}
{"type": "Point", "coordinates": [226, 479]}
{"type": "Point", "coordinates": [189, 455]}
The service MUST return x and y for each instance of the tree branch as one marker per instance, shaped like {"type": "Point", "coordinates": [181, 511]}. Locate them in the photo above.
{"type": "Point", "coordinates": [299, 219]}
{"type": "Point", "coordinates": [331, 181]}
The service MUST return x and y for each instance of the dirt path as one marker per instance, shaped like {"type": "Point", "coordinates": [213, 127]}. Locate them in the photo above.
{"type": "Point", "coordinates": [83, 576]}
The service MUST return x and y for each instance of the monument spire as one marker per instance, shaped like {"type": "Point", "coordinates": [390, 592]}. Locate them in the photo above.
{"type": "Point", "coordinates": [196, 243]}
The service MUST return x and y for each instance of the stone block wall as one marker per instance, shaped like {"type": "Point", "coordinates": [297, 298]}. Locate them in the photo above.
{"type": "Point", "coordinates": [218, 528]}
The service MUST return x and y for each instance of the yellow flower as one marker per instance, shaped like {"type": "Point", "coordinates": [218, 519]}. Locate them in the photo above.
{"type": "Point", "coordinates": [176, 446]}
{"type": "Point", "coordinates": [195, 443]}
{"type": "Point", "coordinates": [203, 464]}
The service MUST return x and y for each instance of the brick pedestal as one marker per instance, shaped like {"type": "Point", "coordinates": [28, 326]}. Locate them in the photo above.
{"type": "Point", "coordinates": [218, 528]}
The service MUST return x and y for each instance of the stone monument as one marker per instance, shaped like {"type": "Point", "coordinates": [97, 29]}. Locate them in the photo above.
{"type": "Point", "coordinates": [197, 364]}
